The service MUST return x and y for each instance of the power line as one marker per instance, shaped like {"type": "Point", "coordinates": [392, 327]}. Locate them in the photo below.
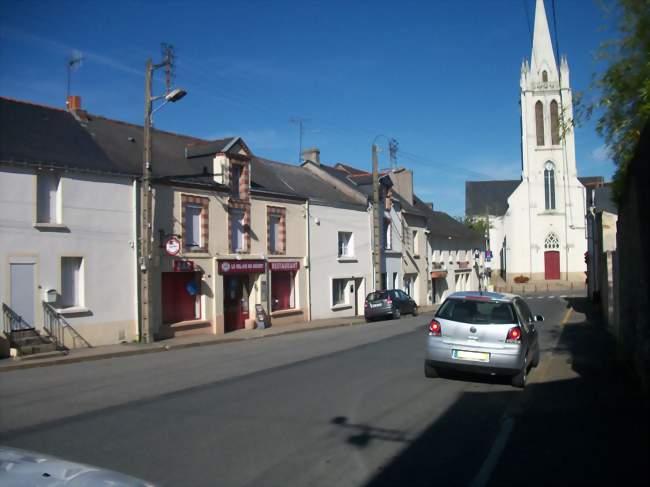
{"type": "Point", "coordinates": [301, 131]}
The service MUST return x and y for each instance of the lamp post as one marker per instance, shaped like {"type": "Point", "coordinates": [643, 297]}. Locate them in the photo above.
{"type": "Point", "coordinates": [146, 201]}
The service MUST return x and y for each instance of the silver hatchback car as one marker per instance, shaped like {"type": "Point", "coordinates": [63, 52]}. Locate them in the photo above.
{"type": "Point", "coordinates": [483, 332]}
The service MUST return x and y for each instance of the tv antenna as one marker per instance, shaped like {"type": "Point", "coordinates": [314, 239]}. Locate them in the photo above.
{"type": "Point", "coordinates": [74, 61]}
{"type": "Point", "coordinates": [169, 57]}
{"type": "Point", "coordinates": [301, 132]}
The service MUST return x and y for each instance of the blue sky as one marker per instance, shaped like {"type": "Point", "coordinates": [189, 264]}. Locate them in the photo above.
{"type": "Point", "coordinates": [442, 77]}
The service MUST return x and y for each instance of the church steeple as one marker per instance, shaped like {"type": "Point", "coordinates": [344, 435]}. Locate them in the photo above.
{"type": "Point", "coordinates": [542, 58]}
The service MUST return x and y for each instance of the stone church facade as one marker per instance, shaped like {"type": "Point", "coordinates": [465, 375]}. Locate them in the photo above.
{"type": "Point", "coordinates": [537, 224]}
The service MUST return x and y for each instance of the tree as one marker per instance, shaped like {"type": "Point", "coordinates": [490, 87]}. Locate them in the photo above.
{"type": "Point", "coordinates": [623, 89]}
{"type": "Point", "coordinates": [479, 225]}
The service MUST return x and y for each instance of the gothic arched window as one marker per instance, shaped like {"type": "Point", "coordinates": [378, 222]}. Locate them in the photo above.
{"type": "Point", "coordinates": [551, 242]}
{"type": "Point", "coordinates": [544, 76]}
{"type": "Point", "coordinates": [549, 186]}
{"type": "Point", "coordinates": [539, 122]}
{"type": "Point", "coordinates": [555, 124]}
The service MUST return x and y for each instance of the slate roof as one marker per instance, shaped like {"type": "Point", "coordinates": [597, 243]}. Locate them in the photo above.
{"type": "Point", "coordinates": [603, 200]}
{"type": "Point", "coordinates": [592, 181]}
{"type": "Point", "coordinates": [44, 136]}
{"type": "Point", "coordinates": [288, 178]}
{"type": "Point", "coordinates": [491, 197]}
{"type": "Point", "coordinates": [440, 224]}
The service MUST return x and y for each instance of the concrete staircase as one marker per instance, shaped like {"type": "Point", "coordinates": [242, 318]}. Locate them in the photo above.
{"type": "Point", "coordinates": [30, 342]}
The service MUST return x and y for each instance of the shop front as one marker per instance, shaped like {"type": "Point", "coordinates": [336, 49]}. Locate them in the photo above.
{"type": "Point", "coordinates": [285, 306]}
{"type": "Point", "coordinates": [239, 278]}
{"type": "Point", "coordinates": [438, 285]}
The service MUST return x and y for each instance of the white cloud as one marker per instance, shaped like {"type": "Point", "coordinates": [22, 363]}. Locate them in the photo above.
{"type": "Point", "coordinates": [600, 154]}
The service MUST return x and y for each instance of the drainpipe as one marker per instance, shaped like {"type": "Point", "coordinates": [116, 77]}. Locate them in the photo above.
{"type": "Point", "coordinates": [308, 261]}
{"type": "Point", "coordinates": [136, 242]}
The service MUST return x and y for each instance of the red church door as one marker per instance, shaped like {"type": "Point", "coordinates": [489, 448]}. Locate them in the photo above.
{"type": "Point", "coordinates": [551, 264]}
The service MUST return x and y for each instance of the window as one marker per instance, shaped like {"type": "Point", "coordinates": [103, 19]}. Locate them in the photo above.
{"type": "Point", "coordinates": [388, 234]}
{"type": "Point", "coordinates": [549, 186]}
{"type": "Point", "coordinates": [477, 312]}
{"type": "Point", "coordinates": [237, 230]}
{"type": "Point", "coordinates": [192, 230]}
{"type": "Point", "coordinates": [551, 242]}
{"type": "Point", "coordinates": [416, 244]}
{"type": "Point", "coordinates": [407, 287]}
{"type": "Point", "coordinates": [235, 180]}
{"type": "Point", "coordinates": [195, 223]}
{"type": "Point", "coordinates": [384, 280]}
{"type": "Point", "coordinates": [47, 190]}
{"type": "Point", "coordinates": [276, 229]}
{"type": "Point", "coordinates": [338, 291]}
{"type": "Point", "coordinates": [544, 76]}
{"type": "Point", "coordinates": [539, 122]}
{"type": "Point", "coordinates": [555, 124]}
{"type": "Point", "coordinates": [71, 282]}
{"type": "Point", "coordinates": [345, 248]}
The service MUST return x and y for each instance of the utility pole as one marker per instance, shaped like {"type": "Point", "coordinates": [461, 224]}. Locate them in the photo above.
{"type": "Point", "coordinates": [376, 228]}
{"type": "Point", "coordinates": [146, 331]}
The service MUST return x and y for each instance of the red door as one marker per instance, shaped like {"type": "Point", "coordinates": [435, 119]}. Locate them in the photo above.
{"type": "Point", "coordinates": [177, 302]}
{"type": "Point", "coordinates": [551, 264]}
{"type": "Point", "coordinates": [280, 290]}
{"type": "Point", "coordinates": [235, 303]}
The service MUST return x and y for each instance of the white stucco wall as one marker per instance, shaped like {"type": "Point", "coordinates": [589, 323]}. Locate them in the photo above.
{"type": "Point", "coordinates": [324, 224]}
{"type": "Point", "coordinates": [98, 225]}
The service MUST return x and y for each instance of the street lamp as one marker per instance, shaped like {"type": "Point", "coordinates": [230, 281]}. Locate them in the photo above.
{"type": "Point", "coordinates": [146, 206]}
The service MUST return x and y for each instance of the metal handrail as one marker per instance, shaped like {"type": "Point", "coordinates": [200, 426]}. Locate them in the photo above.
{"type": "Point", "coordinates": [56, 326]}
{"type": "Point", "coordinates": [12, 321]}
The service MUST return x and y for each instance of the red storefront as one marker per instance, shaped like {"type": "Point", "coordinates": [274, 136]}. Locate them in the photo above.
{"type": "Point", "coordinates": [283, 277]}
{"type": "Point", "coordinates": [237, 285]}
{"type": "Point", "coordinates": [181, 293]}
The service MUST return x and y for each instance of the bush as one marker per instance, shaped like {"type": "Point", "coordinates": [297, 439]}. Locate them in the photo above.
{"type": "Point", "coordinates": [521, 279]}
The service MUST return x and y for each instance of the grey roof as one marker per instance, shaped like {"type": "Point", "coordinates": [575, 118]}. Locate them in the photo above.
{"type": "Point", "coordinates": [603, 199]}
{"type": "Point", "coordinates": [45, 136]}
{"type": "Point", "coordinates": [592, 181]}
{"type": "Point", "coordinates": [440, 224]}
{"type": "Point", "coordinates": [491, 197]}
{"type": "Point", "coordinates": [298, 181]}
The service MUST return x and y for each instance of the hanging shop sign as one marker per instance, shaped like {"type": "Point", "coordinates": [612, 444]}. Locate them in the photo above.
{"type": "Point", "coordinates": [183, 266]}
{"type": "Point", "coordinates": [284, 266]}
{"type": "Point", "coordinates": [226, 267]}
{"type": "Point", "coordinates": [172, 246]}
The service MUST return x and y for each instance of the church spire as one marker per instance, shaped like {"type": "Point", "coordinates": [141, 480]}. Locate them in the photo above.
{"type": "Point", "coordinates": [542, 57]}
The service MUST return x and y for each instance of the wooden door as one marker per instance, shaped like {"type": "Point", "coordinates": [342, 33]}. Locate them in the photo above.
{"type": "Point", "coordinates": [551, 264]}
{"type": "Point", "coordinates": [233, 293]}
{"type": "Point", "coordinates": [178, 304]}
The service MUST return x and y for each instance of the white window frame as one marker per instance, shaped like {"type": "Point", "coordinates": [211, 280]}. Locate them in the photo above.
{"type": "Point", "coordinates": [388, 234]}
{"type": "Point", "coordinates": [345, 244]}
{"type": "Point", "coordinates": [190, 244]}
{"type": "Point", "coordinates": [48, 198]}
{"type": "Point", "coordinates": [237, 219]}
{"type": "Point", "coordinates": [416, 243]}
{"type": "Point", "coordinates": [343, 294]}
{"type": "Point", "coordinates": [275, 224]}
{"type": "Point", "coordinates": [75, 297]}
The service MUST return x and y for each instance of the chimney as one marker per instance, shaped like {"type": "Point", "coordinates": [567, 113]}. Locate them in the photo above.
{"type": "Point", "coordinates": [312, 154]}
{"type": "Point", "coordinates": [429, 204]}
{"type": "Point", "coordinates": [73, 103]}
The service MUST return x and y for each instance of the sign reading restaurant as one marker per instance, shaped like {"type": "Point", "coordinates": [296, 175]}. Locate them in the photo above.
{"type": "Point", "coordinates": [241, 266]}
{"type": "Point", "coordinates": [284, 266]}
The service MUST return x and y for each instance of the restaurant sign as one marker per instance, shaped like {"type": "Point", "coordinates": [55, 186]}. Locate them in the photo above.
{"type": "Point", "coordinates": [284, 266]}
{"type": "Point", "coordinates": [241, 266]}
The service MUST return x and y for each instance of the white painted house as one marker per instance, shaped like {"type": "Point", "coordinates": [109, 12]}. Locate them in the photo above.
{"type": "Point", "coordinates": [537, 225]}
{"type": "Point", "coordinates": [67, 228]}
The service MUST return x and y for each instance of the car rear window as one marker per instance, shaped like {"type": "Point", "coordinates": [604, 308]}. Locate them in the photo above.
{"type": "Point", "coordinates": [378, 295]}
{"type": "Point", "coordinates": [477, 312]}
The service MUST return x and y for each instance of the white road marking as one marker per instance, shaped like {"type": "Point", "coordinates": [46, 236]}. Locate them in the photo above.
{"type": "Point", "coordinates": [551, 297]}
{"type": "Point", "coordinates": [484, 474]}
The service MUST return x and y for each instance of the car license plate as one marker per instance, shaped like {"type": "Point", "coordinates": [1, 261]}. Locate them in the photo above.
{"type": "Point", "coordinates": [375, 305]}
{"type": "Point", "coordinates": [467, 355]}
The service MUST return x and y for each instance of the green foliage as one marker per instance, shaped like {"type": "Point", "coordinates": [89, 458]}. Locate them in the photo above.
{"type": "Point", "coordinates": [479, 225]}
{"type": "Point", "coordinates": [623, 89]}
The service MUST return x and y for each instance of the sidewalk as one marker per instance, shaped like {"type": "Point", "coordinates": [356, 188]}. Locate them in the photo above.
{"type": "Point", "coordinates": [583, 419]}
{"type": "Point", "coordinates": [128, 349]}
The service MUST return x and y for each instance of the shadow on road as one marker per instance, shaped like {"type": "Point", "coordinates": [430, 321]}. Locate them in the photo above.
{"type": "Point", "coordinates": [585, 425]}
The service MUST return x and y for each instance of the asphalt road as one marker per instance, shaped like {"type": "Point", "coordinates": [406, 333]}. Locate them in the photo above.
{"type": "Point", "coordinates": [344, 406]}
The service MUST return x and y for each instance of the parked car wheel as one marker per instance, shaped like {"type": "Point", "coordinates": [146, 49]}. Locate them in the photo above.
{"type": "Point", "coordinates": [519, 380]}
{"type": "Point", "coordinates": [415, 311]}
{"type": "Point", "coordinates": [430, 372]}
{"type": "Point", "coordinates": [368, 320]}
{"type": "Point", "coordinates": [397, 313]}
{"type": "Point", "coordinates": [535, 361]}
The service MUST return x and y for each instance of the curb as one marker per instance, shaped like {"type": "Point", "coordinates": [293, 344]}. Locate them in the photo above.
{"type": "Point", "coordinates": [164, 348]}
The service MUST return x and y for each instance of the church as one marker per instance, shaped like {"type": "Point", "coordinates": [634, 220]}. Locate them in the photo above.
{"type": "Point", "coordinates": [537, 223]}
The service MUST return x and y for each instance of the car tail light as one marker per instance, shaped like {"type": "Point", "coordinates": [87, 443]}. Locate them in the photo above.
{"type": "Point", "coordinates": [514, 335]}
{"type": "Point", "coordinates": [389, 300]}
{"type": "Point", "coordinates": [365, 305]}
{"type": "Point", "coordinates": [434, 328]}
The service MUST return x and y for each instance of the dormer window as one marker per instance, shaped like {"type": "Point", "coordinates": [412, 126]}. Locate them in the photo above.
{"type": "Point", "coordinates": [235, 181]}
{"type": "Point", "coordinates": [544, 77]}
